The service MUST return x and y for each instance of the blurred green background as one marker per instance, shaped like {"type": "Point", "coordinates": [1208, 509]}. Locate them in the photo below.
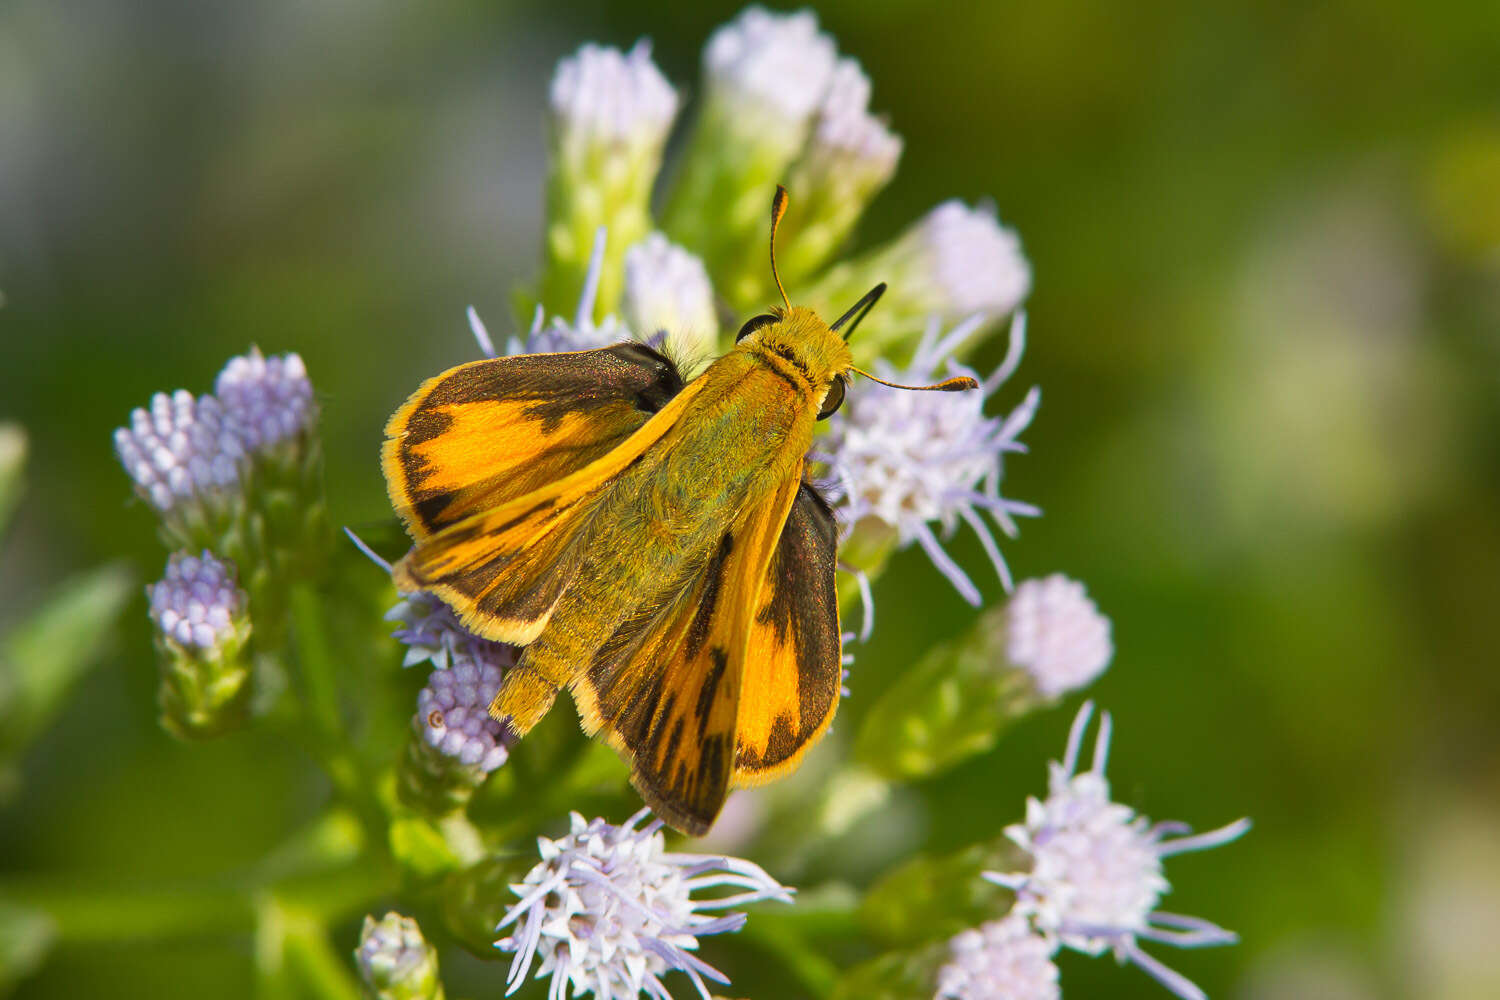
{"type": "Point", "coordinates": [1266, 321]}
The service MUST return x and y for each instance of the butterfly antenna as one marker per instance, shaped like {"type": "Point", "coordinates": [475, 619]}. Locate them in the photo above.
{"type": "Point", "coordinates": [959, 383]}
{"type": "Point", "coordinates": [778, 209]}
{"type": "Point", "coordinates": [858, 311]}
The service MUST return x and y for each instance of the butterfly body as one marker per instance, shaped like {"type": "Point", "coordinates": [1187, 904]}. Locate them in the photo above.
{"type": "Point", "coordinates": [648, 541]}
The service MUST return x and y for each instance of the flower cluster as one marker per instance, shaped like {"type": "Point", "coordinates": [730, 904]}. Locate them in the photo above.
{"type": "Point", "coordinates": [1056, 635]}
{"type": "Point", "coordinates": [908, 461]}
{"type": "Point", "coordinates": [1001, 960]}
{"type": "Point", "coordinates": [183, 450]}
{"type": "Point", "coordinates": [1096, 868]}
{"type": "Point", "coordinates": [609, 910]}
{"type": "Point", "coordinates": [202, 625]}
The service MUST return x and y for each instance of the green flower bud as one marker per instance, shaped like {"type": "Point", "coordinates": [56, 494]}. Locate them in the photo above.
{"type": "Point", "coordinates": [395, 961]}
{"type": "Point", "coordinates": [202, 627]}
{"type": "Point", "coordinates": [611, 112]}
{"type": "Point", "coordinates": [764, 76]}
{"type": "Point", "coordinates": [849, 157]}
{"type": "Point", "coordinates": [1048, 639]}
{"type": "Point", "coordinates": [12, 464]}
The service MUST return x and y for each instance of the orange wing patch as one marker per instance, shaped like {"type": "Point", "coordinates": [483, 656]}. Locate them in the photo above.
{"type": "Point", "coordinates": [503, 569]}
{"type": "Point", "coordinates": [793, 664]}
{"type": "Point", "coordinates": [484, 433]}
{"type": "Point", "coordinates": [666, 689]}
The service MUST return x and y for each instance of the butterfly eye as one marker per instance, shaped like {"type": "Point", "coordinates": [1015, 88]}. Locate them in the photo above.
{"type": "Point", "coordinates": [834, 399]}
{"type": "Point", "coordinates": [752, 324]}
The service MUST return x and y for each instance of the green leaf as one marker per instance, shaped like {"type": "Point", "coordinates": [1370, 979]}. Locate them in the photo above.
{"type": "Point", "coordinates": [45, 655]}
{"type": "Point", "coordinates": [12, 465]}
{"type": "Point", "coordinates": [26, 935]}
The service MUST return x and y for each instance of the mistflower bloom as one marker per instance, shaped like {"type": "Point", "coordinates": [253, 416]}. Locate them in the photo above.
{"type": "Point", "coordinates": [202, 624]}
{"type": "Point", "coordinates": [181, 451]}
{"type": "Point", "coordinates": [667, 289]}
{"type": "Point", "coordinates": [1056, 635]}
{"type": "Point", "coordinates": [395, 961]}
{"type": "Point", "coordinates": [611, 112]}
{"type": "Point", "coordinates": [850, 155]}
{"type": "Point", "coordinates": [431, 632]}
{"type": "Point", "coordinates": [909, 460]}
{"type": "Point", "coordinates": [197, 604]}
{"type": "Point", "coordinates": [610, 911]}
{"type": "Point", "coordinates": [953, 263]}
{"type": "Point", "coordinates": [453, 713]}
{"type": "Point", "coordinates": [764, 75]}
{"type": "Point", "coordinates": [266, 401]}
{"type": "Point", "coordinates": [1096, 867]}
{"type": "Point", "coordinates": [1001, 960]}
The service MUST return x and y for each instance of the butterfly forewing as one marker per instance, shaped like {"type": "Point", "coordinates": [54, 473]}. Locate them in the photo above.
{"type": "Point", "coordinates": [503, 567]}
{"type": "Point", "coordinates": [487, 432]}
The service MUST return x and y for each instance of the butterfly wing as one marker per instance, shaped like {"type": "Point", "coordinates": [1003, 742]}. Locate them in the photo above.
{"type": "Point", "coordinates": [794, 661]}
{"type": "Point", "coordinates": [665, 689]}
{"type": "Point", "coordinates": [487, 432]}
{"type": "Point", "coordinates": [496, 465]}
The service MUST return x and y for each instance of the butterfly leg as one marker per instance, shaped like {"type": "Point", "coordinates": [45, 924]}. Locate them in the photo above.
{"type": "Point", "coordinates": [525, 696]}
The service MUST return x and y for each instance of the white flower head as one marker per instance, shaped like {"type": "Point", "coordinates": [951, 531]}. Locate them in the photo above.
{"type": "Point", "coordinates": [918, 459]}
{"type": "Point", "coordinates": [1001, 960]}
{"type": "Point", "coordinates": [967, 256]}
{"type": "Point", "coordinates": [198, 605]}
{"type": "Point", "coordinates": [603, 95]}
{"type": "Point", "coordinates": [1096, 875]}
{"type": "Point", "coordinates": [846, 136]}
{"type": "Point", "coordinates": [667, 288]}
{"type": "Point", "coordinates": [266, 400]}
{"type": "Point", "coordinates": [1056, 635]}
{"type": "Point", "coordinates": [453, 712]}
{"type": "Point", "coordinates": [771, 67]}
{"type": "Point", "coordinates": [180, 450]}
{"type": "Point", "coordinates": [610, 911]}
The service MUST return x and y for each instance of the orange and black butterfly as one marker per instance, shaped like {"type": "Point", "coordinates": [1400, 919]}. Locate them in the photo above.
{"type": "Point", "coordinates": [652, 542]}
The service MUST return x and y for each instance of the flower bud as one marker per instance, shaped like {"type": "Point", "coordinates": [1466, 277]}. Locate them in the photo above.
{"type": "Point", "coordinates": [954, 263]}
{"type": "Point", "coordinates": [667, 291]}
{"type": "Point", "coordinates": [611, 112]}
{"type": "Point", "coordinates": [1047, 640]}
{"type": "Point", "coordinates": [764, 76]}
{"type": "Point", "coordinates": [849, 157]}
{"type": "Point", "coordinates": [202, 626]}
{"type": "Point", "coordinates": [395, 961]}
{"type": "Point", "coordinates": [455, 743]}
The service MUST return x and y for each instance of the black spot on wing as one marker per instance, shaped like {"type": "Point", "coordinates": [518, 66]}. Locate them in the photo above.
{"type": "Point", "coordinates": [697, 632]}
{"type": "Point", "coordinates": [718, 664]}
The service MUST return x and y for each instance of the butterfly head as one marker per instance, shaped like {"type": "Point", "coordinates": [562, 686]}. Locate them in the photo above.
{"type": "Point", "coordinates": [819, 350]}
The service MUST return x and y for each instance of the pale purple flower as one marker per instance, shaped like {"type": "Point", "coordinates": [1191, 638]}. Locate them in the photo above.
{"type": "Point", "coordinates": [846, 137]}
{"type": "Point", "coordinates": [1056, 635]}
{"type": "Point", "coordinates": [266, 400]}
{"type": "Point", "coordinates": [600, 95]}
{"type": "Point", "coordinates": [609, 911]}
{"type": "Point", "coordinates": [769, 67]}
{"type": "Point", "coordinates": [197, 604]}
{"type": "Point", "coordinates": [920, 460]}
{"type": "Point", "coordinates": [966, 260]}
{"type": "Point", "coordinates": [1096, 873]}
{"type": "Point", "coordinates": [667, 289]}
{"type": "Point", "coordinates": [1000, 960]}
{"type": "Point", "coordinates": [181, 450]}
{"type": "Point", "coordinates": [453, 710]}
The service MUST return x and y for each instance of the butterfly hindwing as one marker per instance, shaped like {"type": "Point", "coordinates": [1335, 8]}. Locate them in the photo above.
{"type": "Point", "coordinates": [507, 557]}
{"type": "Point", "coordinates": [666, 689]}
{"type": "Point", "coordinates": [793, 666]}
{"type": "Point", "coordinates": [487, 432]}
